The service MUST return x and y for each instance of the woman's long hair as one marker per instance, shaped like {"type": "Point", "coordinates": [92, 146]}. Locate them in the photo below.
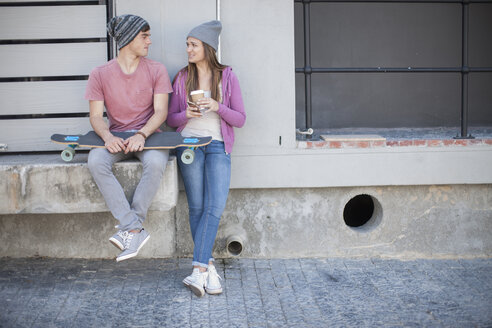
{"type": "Point", "coordinates": [215, 67]}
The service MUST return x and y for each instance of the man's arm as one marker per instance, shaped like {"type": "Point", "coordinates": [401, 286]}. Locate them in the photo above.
{"type": "Point", "coordinates": [112, 143]}
{"type": "Point", "coordinates": [160, 114]}
{"type": "Point", "coordinates": [136, 142]}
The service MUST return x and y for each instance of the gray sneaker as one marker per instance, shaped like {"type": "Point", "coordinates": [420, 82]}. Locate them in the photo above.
{"type": "Point", "coordinates": [118, 239]}
{"type": "Point", "coordinates": [133, 243]}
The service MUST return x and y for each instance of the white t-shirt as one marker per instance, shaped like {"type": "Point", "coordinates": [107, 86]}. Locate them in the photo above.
{"type": "Point", "coordinates": [206, 125]}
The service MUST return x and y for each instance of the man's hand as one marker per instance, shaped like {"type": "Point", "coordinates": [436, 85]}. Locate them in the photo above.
{"type": "Point", "coordinates": [134, 143]}
{"type": "Point", "coordinates": [114, 144]}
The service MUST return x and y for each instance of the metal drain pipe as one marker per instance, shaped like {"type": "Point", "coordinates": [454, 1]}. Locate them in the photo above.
{"type": "Point", "coordinates": [234, 245]}
{"type": "Point", "coordinates": [217, 17]}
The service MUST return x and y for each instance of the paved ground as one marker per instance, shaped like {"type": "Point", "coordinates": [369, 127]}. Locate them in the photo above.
{"type": "Point", "coordinates": [258, 293]}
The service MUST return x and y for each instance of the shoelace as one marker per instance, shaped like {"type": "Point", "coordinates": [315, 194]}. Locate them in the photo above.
{"type": "Point", "coordinates": [213, 273]}
{"type": "Point", "coordinates": [128, 238]}
{"type": "Point", "coordinates": [122, 234]}
{"type": "Point", "coordinates": [200, 277]}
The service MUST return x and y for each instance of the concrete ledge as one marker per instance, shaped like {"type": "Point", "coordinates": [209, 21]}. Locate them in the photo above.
{"type": "Point", "coordinates": [46, 184]}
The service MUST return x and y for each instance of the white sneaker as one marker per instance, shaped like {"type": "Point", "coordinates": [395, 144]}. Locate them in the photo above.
{"type": "Point", "coordinates": [196, 282]}
{"type": "Point", "coordinates": [187, 280]}
{"type": "Point", "coordinates": [213, 284]}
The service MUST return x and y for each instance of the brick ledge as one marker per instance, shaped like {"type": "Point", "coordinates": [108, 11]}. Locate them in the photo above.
{"type": "Point", "coordinates": [340, 143]}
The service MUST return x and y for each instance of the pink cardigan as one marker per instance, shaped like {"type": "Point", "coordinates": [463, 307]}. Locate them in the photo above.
{"type": "Point", "coordinates": [231, 110]}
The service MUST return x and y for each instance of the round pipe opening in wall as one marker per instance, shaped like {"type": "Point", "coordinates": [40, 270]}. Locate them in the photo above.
{"type": "Point", "coordinates": [358, 211]}
{"type": "Point", "coordinates": [234, 245]}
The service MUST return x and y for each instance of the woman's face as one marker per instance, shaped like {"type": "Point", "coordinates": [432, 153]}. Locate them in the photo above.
{"type": "Point", "coordinates": [195, 50]}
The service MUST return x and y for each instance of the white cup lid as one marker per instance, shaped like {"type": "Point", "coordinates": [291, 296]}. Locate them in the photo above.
{"type": "Point", "coordinates": [196, 92]}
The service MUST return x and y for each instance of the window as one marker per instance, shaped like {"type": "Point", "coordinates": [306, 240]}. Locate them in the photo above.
{"type": "Point", "coordinates": [393, 64]}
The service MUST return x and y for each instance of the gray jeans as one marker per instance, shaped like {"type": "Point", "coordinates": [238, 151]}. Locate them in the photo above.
{"type": "Point", "coordinates": [130, 216]}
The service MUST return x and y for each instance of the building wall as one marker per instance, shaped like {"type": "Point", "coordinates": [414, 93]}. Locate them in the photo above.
{"type": "Point", "coordinates": [258, 42]}
{"type": "Point", "coordinates": [288, 201]}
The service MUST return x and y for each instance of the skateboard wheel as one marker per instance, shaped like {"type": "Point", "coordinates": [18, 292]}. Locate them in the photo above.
{"type": "Point", "coordinates": [188, 156]}
{"type": "Point", "coordinates": [68, 154]}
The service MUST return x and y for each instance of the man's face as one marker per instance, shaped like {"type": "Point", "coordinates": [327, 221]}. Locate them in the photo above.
{"type": "Point", "coordinates": [140, 44]}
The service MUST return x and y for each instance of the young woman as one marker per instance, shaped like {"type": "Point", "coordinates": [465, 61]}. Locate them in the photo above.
{"type": "Point", "coordinates": [207, 179]}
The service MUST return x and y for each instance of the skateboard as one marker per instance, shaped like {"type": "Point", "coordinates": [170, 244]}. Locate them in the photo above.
{"type": "Point", "coordinates": [157, 140]}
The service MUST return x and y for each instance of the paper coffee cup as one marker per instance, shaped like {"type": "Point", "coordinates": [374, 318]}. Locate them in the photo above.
{"type": "Point", "coordinates": [196, 95]}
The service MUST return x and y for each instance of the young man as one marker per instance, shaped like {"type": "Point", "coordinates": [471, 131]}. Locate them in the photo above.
{"type": "Point", "coordinates": [134, 91]}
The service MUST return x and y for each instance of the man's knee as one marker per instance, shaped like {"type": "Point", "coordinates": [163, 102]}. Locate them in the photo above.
{"type": "Point", "coordinates": [156, 162]}
{"type": "Point", "coordinates": [98, 161]}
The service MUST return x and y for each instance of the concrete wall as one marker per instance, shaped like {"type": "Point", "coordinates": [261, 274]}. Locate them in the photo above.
{"type": "Point", "coordinates": [408, 222]}
{"type": "Point", "coordinates": [443, 221]}
{"type": "Point", "coordinates": [79, 235]}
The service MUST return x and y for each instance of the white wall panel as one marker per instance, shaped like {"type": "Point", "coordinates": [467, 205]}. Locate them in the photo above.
{"type": "Point", "coordinates": [34, 134]}
{"type": "Point", "coordinates": [363, 167]}
{"type": "Point", "coordinates": [179, 17]}
{"type": "Point", "coordinates": [57, 22]}
{"type": "Point", "coordinates": [48, 97]}
{"type": "Point", "coordinates": [51, 59]}
{"type": "Point", "coordinates": [258, 42]}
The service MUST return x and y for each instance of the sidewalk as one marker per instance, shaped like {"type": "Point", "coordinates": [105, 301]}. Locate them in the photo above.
{"type": "Point", "coordinates": [257, 293]}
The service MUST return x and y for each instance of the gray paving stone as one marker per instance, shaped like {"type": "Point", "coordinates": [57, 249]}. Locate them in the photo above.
{"type": "Point", "coordinates": [262, 264]}
{"type": "Point", "coordinates": [232, 274]}
{"type": "Point", "coordinates": [257, 293]}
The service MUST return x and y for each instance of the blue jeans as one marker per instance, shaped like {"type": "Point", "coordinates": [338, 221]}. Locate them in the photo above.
{"type": "Point", "coordinates": [206, 182]}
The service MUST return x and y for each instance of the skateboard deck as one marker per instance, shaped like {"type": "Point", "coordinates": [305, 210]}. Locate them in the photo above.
{"type": "Point", "coordinates": [157, 140]}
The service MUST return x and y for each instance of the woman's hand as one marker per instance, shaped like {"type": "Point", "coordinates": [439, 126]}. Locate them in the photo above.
{"type": "Point", "coordinates": [209, 103]}
{"type": "Point", "coordinates": [191, 112]}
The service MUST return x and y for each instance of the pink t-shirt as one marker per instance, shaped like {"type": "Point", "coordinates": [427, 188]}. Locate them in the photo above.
{"type": "Point", "coordinates": [129, 98]}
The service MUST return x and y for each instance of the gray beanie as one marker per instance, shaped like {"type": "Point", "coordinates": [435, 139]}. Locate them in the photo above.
{"type": "Point", "coordinates": [125, 28]}
{"type": "Point", "coordinates": [207, 32]}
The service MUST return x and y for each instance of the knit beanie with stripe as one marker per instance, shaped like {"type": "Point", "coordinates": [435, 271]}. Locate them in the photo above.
{"type": "Point", "coordinates": [125, 28]}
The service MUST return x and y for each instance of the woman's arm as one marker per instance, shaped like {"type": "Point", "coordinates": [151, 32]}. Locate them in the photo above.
{"type": "Point", "coordinates": [235, 114]}
{"type": "Point", "coordinates": [177, 115]}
